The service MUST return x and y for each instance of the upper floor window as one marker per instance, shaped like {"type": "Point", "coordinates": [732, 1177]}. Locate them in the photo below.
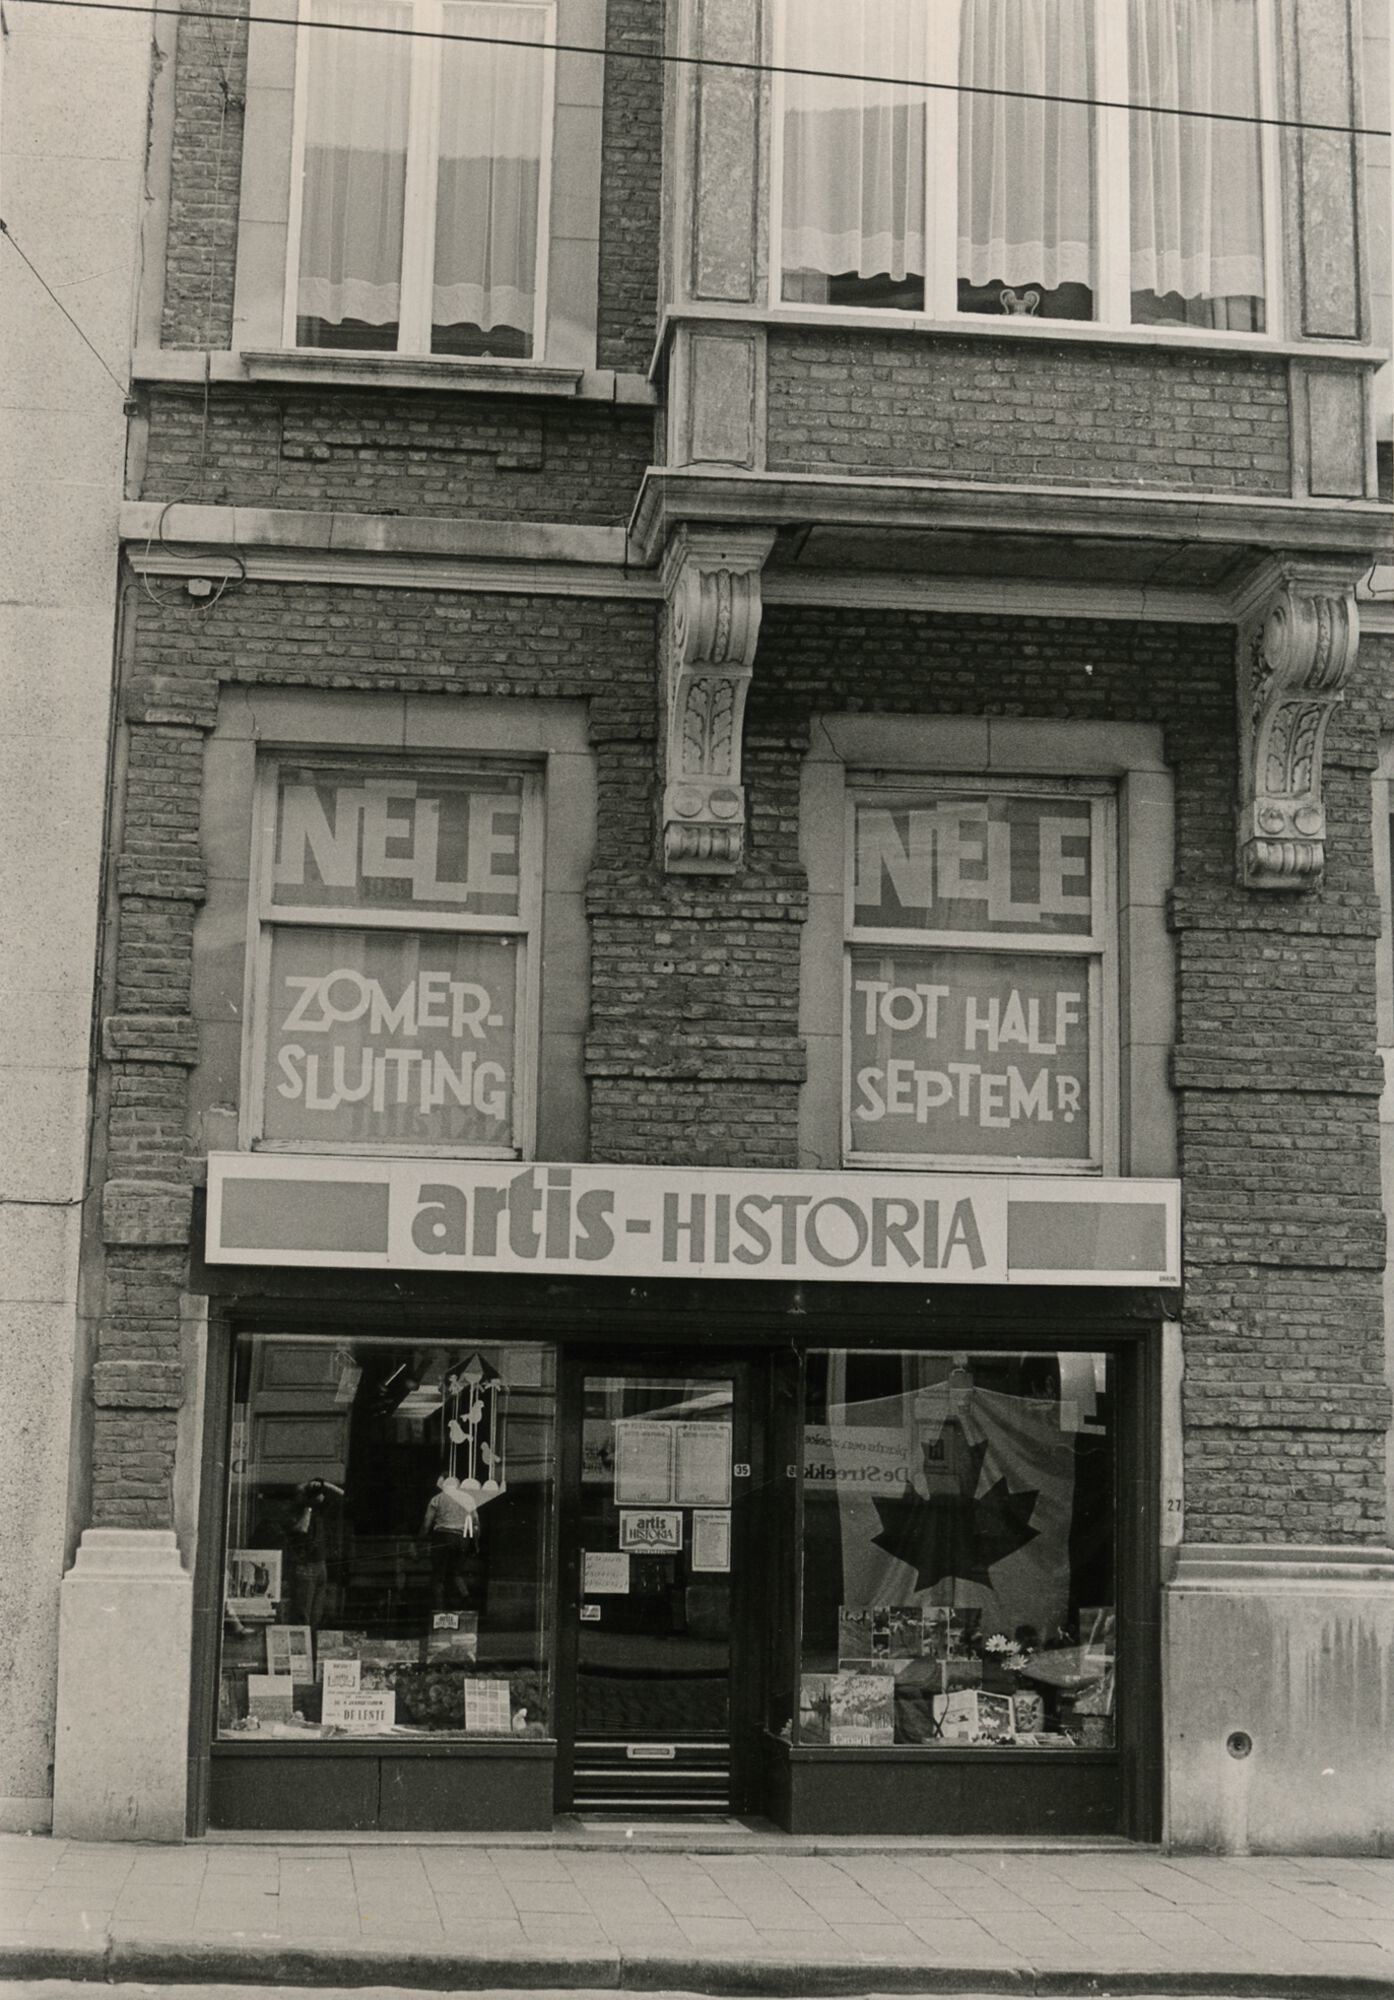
{"type": "Point", "coordinates": [394, 961]}
{"type": "Point", "coordinates": [1011, 188]}
{"type": "Point", "coordinates": [980, 976]}
{"type": "Point", "coordinates": [421, 170]}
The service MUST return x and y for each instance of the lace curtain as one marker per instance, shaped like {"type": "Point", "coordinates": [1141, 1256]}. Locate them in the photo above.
{"type": "Point", "coordinates": [1197, 195]}
{"type": "Point", "coordinates": [356, 110]}
{"type": "Point", "coordinates": [358, 127]}
{"type": "Point", "coordinates": [854, 153]}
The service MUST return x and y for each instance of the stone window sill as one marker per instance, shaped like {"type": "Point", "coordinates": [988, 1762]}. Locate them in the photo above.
{"type": "Point", "coordinates": [319, 367]}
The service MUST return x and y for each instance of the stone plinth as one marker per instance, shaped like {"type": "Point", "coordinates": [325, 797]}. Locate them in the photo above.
{"type": "Point", "coordinates": [124, 1630]}
{"type": "Point", "coordinates": [1278, 1672]}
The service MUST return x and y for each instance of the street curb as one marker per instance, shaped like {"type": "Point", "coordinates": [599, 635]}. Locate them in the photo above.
{"type": "Point", "coordinates": [182, 1962]}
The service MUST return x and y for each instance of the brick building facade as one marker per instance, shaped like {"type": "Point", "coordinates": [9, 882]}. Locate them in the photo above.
{"type": "Point", "coordinates": [685, 609]}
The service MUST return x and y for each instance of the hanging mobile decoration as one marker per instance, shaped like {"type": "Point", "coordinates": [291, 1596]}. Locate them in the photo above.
{"type": "Point", "coordinates": [472, 1447]}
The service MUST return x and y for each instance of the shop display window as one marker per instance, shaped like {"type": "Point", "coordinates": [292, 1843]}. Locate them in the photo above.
{"type": "Point", "coordinates": [958, 1573]}
{"type": "Point", "coordinates": [388, 1539]}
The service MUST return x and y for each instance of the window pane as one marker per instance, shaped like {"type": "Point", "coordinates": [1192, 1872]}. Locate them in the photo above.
{"type": "Point", "coordinates": [854, 154]}
{"type": "Point", "coordinates": [391, 1037]}
{"type": "Point", "coordinates": [491, 117]}
{"type": "Point", "coordinates": [356, 838]}
{"type": "Point", "coordinates": [970, 1055]}
{"type": "Point", "coordinates": [974, 863]}
{"type": "Point", "coordinates": [387, 1539]}
{"type": "Point", "coordinates": [356, 110]}
{"type": "Point", "coordinates": [1197, 184]}
{"type": "Point", "coordinates": [1026, 197]}
{"type": "Point", "coordinates": [958, 1560]}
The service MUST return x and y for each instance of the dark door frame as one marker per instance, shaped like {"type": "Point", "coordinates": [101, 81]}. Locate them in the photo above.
{"type": "Point", "coordinates": [745, 1369]}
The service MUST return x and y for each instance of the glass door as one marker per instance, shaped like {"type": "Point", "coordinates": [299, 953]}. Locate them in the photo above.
{"type": "Point", "coordinates": [651, 1572]}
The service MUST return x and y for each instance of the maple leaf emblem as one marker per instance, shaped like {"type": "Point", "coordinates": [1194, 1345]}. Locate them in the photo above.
{"type": "Point", "coordinates": [959, 1533]}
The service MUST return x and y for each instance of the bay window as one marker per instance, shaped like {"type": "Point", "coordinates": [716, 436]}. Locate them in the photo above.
{"type": "Point", "coordinates": [979, 157]}
{"type": "Point", "coordinates": [418, 219]}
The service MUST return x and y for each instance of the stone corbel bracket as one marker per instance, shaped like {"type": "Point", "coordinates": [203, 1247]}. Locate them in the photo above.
{"type": "Point", "coordinates": [712, 624]}
{"type": "Point", "coordinates": [1296, 650]}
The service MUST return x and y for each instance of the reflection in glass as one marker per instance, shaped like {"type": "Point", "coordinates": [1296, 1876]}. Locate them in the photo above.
{"type": "Point", "coordinates": [387, 1538]}
{"type": "Point", "coordinates": [958, 1550]}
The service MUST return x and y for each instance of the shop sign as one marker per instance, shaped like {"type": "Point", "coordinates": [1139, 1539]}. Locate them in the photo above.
{"type": "Point", "coordinates": [587, 1220]}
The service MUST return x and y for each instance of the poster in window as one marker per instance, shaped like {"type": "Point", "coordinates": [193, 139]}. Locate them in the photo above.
{"type": "Point", "coordinates": [979, 863]}
{"type": "Point", "coordinates": [394, 838]}
{"type": "Point", "coordinates": [970, 1054]}
{"type": "Point", "coordinates": [388, 1037]}
{"type": "Point", "coordinates": [702, 1465]}
{"type": "Point", "coordinates": [643, 1464]}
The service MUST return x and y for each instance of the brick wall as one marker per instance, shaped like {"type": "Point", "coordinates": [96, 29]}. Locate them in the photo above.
{"type": "Point", "coordinates": [693, 1051]}
{"type": "Point", "coordinates": [892, 403]}
{"type": "Point", "coordinates": [210, 84]}
{"type": "Point", "coordinates": [505, 457]}
{"type": "Point", "coordinates": [630, 187]}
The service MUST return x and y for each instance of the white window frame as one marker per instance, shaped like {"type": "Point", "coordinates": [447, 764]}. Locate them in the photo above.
{"type": "Point", "coordinates": [1112, 176]}
{"type": "Point", "coordinates": [419, 196]}
{"type": "Point", "coordinates": [265, 917]}
{"type": "Point", "coordinates": [1099, 947]}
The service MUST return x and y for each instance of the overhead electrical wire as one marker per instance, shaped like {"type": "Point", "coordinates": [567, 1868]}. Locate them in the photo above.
{"type": "Point", "coordinates": [750, 68]}
{"type": "Point", "coordinates": [39, 277]}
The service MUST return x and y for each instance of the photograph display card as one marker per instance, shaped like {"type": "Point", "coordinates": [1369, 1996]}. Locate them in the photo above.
{"type": "Point", "coordinates": [253, 1582]}
{"type": "Point", "coordinates": [289, 1651]}
{"type": "Point", "coordinates": [643, 1463]}
{"type": "Point", "coordinates": [702, 1469]}
{"type": "Point", "coordinates": [270, 1697]}
{"type": "Point", "coordinates": [337, 1645]}
{"type": "Point", "coordinates": [488, 1708]}
{"type": "Point", "coordinates": [973, 1716]}
{"type": "Point", "coordinates": [711, 1540]}
{"type": "Point", "coordinates": [861, 1708]}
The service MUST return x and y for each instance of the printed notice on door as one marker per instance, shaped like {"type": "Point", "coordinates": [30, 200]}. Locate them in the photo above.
{"type": "Point", "coordinates": [643, 1464]}
{"type": "Point", "coordinates": [711, 1539]}
{"type": "Point", "coordinates": [604, 1573]}
{"type": "Point", "coordinates": [702, 1469]}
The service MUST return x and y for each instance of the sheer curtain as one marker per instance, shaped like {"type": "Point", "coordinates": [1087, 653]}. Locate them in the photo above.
{"type": "Point", "coordinates": [854, 153]}
{"type": "Point", "coordinates": [491, 114]}
{"type": "Point", "coordinates": [1197, 192]}
{"type": "Point", "coordinates": [1025, 170]}
{"type": "Point", "coordinates": [356, 114]}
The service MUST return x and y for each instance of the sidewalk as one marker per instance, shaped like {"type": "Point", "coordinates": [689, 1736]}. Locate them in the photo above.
{"type": "Point", "coordinates": [750, 1915]}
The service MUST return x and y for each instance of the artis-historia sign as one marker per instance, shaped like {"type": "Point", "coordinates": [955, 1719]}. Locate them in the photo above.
{"type": "Point", "coordinates": [683, 1222]}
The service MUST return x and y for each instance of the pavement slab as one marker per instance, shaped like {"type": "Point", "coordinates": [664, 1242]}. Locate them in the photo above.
{"type": "Point", "coordinates": [764, 1917]}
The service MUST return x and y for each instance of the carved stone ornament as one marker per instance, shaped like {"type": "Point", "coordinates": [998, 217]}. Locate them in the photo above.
{"type": "Point", "coordinates": [1295, 657]}
{"type": "Point", "coordinates": [712, 590]}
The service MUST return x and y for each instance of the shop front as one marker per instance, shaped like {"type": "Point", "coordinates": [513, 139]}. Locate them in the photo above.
{"type": "Point", "coordinates": [645, 1492]}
